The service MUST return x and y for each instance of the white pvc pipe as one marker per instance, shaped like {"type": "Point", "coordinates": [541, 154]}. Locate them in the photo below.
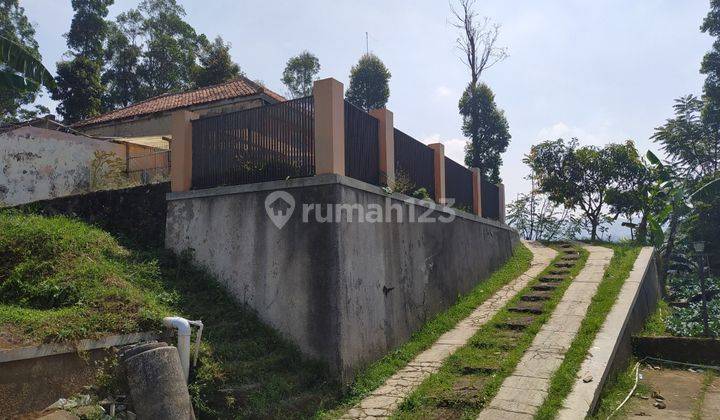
{"type": "Point", "coordinates": [183, 345]}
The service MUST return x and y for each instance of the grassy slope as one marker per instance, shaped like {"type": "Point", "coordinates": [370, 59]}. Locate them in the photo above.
{"type": "Point", "coordinates": [436, 398]}
{"type": "Point", "coordinates": [62, 279]}
{"type": "Point", "coordinates": [374, 376]}
{"type": "Point", "coordinates": [563, 379]}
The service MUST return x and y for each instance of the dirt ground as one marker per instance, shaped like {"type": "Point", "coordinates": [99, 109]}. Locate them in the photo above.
{"type": "Point", "coordinates": [674, 393]}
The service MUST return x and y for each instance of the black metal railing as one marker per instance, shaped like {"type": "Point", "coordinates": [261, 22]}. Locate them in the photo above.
{"type": "Point", "coordinates": [490, 196]}
{"type": "Point", "coordinates": [255, 145]}
{"type": "Point", "coordinates": [414, 164]}
{"type": "Point", "coordinates": [459, 185]}
{"type": "Point", "coordinates": [362, 158]}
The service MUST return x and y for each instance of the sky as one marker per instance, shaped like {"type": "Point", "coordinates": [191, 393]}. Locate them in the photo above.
{"type": "Point", "coordinates": [603, 71]}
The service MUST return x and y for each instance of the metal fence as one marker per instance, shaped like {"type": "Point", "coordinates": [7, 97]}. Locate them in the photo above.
{"type": "Point", "coordinates": [148, 167]}
{"type": "Point", "coordinates": [490, 196]}
{"type": "Point", "coordinates": [362, 157]}
{"type": "Point", "coordinates": [414, 164]}
{"type": "Point", "coordinates": [459, 184]}
{"type": "Point", "coordinates": [255, 145]}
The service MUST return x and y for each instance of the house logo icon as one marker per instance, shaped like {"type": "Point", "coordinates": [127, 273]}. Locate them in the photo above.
{"type": "Point", "coordinates": [279, 206]}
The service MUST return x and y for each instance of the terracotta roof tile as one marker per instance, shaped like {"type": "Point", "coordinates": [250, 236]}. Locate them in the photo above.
{"type": "Point", "coordinates": [235, 88]}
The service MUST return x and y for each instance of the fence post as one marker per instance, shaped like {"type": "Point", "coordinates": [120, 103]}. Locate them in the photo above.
{"type": "Point", "coordinates": [181, 150]}
{"type": "Point", "coordinates": [439, 171]}
{"type": "Point", "coordinates": [329, 127]}
{"type": "Point", "coordinates": [501, 202]}
{"type": "Point", "coordinates": [477, 191]}
{"type": "Point", "coordinates": [386, 149]}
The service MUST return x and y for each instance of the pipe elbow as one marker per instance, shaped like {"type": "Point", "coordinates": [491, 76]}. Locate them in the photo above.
{"type": "Point", "coordinates": [181, 324]}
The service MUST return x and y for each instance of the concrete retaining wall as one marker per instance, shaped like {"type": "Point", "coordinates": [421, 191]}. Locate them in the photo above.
{"type": "Point", "coordinates": [612, 348]}
{"type": "Point", "coordinates": [345, 292]}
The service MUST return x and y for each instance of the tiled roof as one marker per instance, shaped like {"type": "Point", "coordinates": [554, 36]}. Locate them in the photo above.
{"type": "Point", "coordinates": [235, 88]}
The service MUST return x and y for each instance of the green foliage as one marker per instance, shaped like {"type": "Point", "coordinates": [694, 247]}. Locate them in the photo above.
{"type": "Point", "coordinates": [369, 83]}
{"type": "Point", "coordinates": [711, 67]}
{"type": "Point", "coordinates": [79, 86]}
{"type": "Point", "coordinates": [18, 52]}
{"type": "Point", "coordinates": [581, 177]}
{"type": "Point", "coordinates": [300, 72]}
{"type": "Point", "coordinates": [216, 65]}
{"type": "Point", "coordinates": [422, 194]}
{"type": "Point", "coordinates": [122, 56]}
{"type": "Point", "coordinates": [485, 124]}
{"type": "Point", "coordinates": [79, 89]}
{"type": "Point", "coordinates": [537, 218]}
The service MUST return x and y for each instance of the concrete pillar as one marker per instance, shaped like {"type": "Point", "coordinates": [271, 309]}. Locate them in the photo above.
{"type": "Point", "coordinates": [501, 201]}
{"type": "Point", "coordinates": [439, 171]}
{"type": "Point", "coordinates": [386, 140]}
{"type": "Point", "coordinates": [477, 191]}
{"type": "Point", "coordinates": [181, 150]}
{"type": "Point", "coordinates": [329, 127]}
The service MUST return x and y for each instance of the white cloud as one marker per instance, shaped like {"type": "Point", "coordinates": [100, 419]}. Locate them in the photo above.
{"type": "Point", "coordinates": [564, 131]}
{"type": "Point", "coordinates": [443, 91]}
{"type": "Point", "coordinates": [454, 148]}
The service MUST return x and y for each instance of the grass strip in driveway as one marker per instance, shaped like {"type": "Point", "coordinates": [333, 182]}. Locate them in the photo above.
{"type": "Point", "coordinates": [563, 379]}
{"type": "Point", "coordinates": [375, 375]}
{"type": "Point", "coordinates": [472, 376]}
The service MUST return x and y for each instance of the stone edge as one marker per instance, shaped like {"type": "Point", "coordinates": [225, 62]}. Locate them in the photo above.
{"type": "Point", "coordinates": [52, 349]}
{"type": "Point", "coordinates": [609, 352]}
{"type": "Point", "coordinates": [327, 179]}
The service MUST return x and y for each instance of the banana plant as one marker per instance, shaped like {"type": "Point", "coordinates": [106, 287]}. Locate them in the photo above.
{"type": "Point", "coordinates": [20, 69]}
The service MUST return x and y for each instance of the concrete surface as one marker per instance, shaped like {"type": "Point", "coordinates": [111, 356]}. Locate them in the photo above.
{"type": "Point", "coordinates": [385, 400]}
{"type": "Point", "coordinates": [345, 292]}
{"type": "Point", "coordinates": [612, 347]}
{"type": "Point", "coordinates": [523, 392]}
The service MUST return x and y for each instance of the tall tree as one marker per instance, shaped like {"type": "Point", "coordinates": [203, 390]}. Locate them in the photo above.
{"type": "Point", "coordinates": [300, 72]}
{"type": "Point", "coordinates": [216, 65]}
{"type": "Point", "coordinates": [369, 83]}
{"type": "Point", "coordinates": [171, 47]}
{"type": "Point", "coordinates": [122, 56]}
{"type": "Point", "coordinates": [79, 85]}
{"type": "Point", "coordinates": [483, 123]}
{"type": "Point", "coordinates": [711, 68]}
{"type": "Point", "coordinates": [16, 28]}
{"type": "Point", "coordinates": [578, 177]}
{"type": "Point", "coordinates": [487, 128]}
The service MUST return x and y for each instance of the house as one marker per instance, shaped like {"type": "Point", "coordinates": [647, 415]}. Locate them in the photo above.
{"type": "Point", "coordinates": [152, 117]}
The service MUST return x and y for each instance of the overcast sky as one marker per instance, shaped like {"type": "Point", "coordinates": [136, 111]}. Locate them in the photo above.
{"type": "Point", "coordinates": [599, 70]}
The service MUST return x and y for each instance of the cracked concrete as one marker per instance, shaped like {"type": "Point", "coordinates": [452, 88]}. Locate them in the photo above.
{"type": "Point", "coordinates": [382, 402]}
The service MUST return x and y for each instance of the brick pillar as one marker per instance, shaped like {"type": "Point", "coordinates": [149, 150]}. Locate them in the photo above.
{"type": "Point", "coordinates": [181, 150]}
{"type": "Point", "coordinates": [501, 202]}
{"type": "Point", "coordinates": [329, 127]}
{"type": "Point", "coordinates": [439, 171]}
{"type": "Point", "coordinates": [477, 191]}
{"type": "Point", "coordinates": [386, 140]}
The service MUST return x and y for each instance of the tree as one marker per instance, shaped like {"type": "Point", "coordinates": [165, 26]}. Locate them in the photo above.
{"type": "Point", "coordinates": [171, 47]}
{"type": "Point", "coordinates": [21, 68]}
{"type": "Point", "coordinates": [487, 128]}
{"type": "Point", "coordinates": [300, 72]}
{"type": "Point", "coordinates": [79, 85]}
{"type": "Point", "coordinates": [578, 177]}
{"type": "Point", "coordinates": [216, 65]}
{"type": "Point", "coordinates": [369, 83]}
{"type": "Point", "coordinates": [483, 122]}
{"type": "Point", "coordinates": [711, 67]}
{"type": "Point", "coordinates": [539, 219]}
{"type": "Point", "coordinates": [122, 56]}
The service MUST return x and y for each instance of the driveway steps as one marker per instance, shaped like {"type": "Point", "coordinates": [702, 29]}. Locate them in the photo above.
{"type": "Point", "coordinates": [565, 264]}
{"type": "Point", "coordinates": [544, 287]}
{"type": "Point", "coordinates": [528, 307]}
{"type": "Point", "coordinates": [517, 324]}
{"type": "Point", "coordinates": [525, 390]}
{"type": "Point", "coordinates": [536, 296]}
{"type": "Point", "coordinates": [382, 402]}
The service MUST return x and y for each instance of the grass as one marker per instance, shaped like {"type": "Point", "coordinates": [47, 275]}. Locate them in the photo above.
{"type": "Point", "coordinates": [656, 324]}
{"type": "Point", "coordinates": [375, 375]}
{"type": "Point", "coordinates": [563, 379]}
{"type": "Point", "coordinates": [444, 393]}
{"type": "Point", "coordinates": [615, 391]}
{"type": "Point", "coordinates": [62, 279]}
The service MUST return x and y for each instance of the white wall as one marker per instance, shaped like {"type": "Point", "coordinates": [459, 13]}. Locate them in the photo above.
{"type": "Point", "coordinates": [37, 164]}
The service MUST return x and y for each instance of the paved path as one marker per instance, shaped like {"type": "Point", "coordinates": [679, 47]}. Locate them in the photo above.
{"type": "Point", "coordinates": [382, 402]}
{"type": "Point", "coordinates": [524, 391]}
